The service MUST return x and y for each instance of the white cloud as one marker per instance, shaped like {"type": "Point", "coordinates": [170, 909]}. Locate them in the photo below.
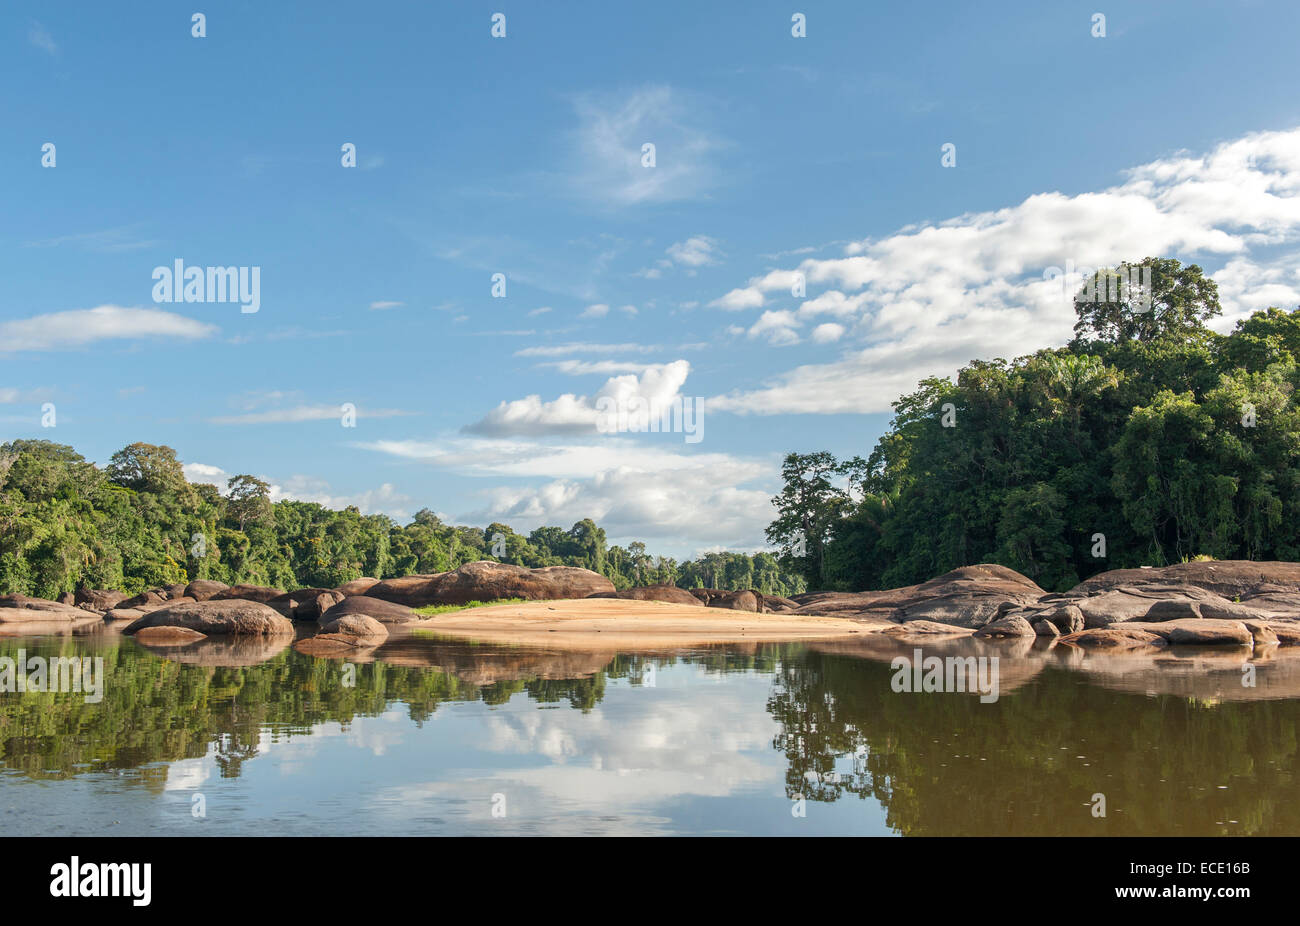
{"type": "Point", "coordinates": [611, 132]}
{"type": "Point", "coordinates": [599, 310]}
{"type": "Point", "coordinates": [383, 500]}
{"type": "Point", "coordinates": [108, 241]}
{"type": "Point", "coordinates": [560, 350]}
{"type": "Point", "coordinates": [381, 305]}
{"type": "Point", "coordinates": [602, 367]}
{"type": "Point", "coordinates": [631, 488]}
{"type": "Point", "coordinates": [298, 413]}
{"type": "Point", "coordinates": [79, 327]}
{"type": "Point", "coordinates": [930, 298]}
{"type": "Point", "coordinates": [574, 414]}
{"type": "Point", "coordinates": [737, 299]}
{"type": "Point", "coordinates": [11, 396]}
{"type": "Point", "coordinates": [777, 328]}
{"type": "Point", "coordinates": [39, 37]}
{"type": "Point", "coordinates": [828, 332]}
{"type": "Point", "coordinates": [697, 251]}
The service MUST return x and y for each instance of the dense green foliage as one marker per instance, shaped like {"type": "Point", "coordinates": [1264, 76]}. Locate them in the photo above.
{"type": "Point", "coordinates": [66, 524]}
{"type": "Point", "coordinates": [1149, 439]}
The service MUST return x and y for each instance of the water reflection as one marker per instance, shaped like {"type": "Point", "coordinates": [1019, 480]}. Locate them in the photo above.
{"type": "Point", "coordinates": [718, 738]}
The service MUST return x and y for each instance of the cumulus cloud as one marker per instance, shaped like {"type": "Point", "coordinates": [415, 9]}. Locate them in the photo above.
{"type": "Point", "coordinates": [697, 251]}
{"type": "Point", "coordinates": [932, 297]}
{"type": "Point", "coordinates": [632, 489]}
{"type": "Point", "coordinates": [298, 488]}
{"type": "Point", "coordinates": [657, 384]}
{"type": "Point", "coordinates": [778, 328]}
{"type": "Point", "coordinates": [827, 333]}
{"type": "Point", "coordinates": [81, 327]}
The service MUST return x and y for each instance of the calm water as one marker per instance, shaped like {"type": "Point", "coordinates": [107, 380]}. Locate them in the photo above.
{"type": "Point", "coordinates": [427, 736]}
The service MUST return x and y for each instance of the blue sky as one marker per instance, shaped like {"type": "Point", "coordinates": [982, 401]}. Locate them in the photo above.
{"type": "Point", "coordinates": [1177, 133]}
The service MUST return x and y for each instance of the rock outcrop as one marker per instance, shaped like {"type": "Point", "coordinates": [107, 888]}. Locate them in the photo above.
{"type": "Point", "coordinates": [97, 599]}
{"type": "Point", "coordinates": [741, 600]}
{"type": "Point", "coordinates": [217, 618]}
{"type": "Point", "coordinates": [203, 589]}
{"type": "Point", "coordinates": [25, 609]}
{"type": "Point", "coordinates": [489, 581]}
{"type": "Point", "coordinates": [965, 597]}
{"type": "Point", "coordinates": [414, 591]}
{"type": "Point", "coordinates": [669, 593]}
{"type": "Point", "coordinates": [259, 593]}
{"type": "Point", "coordinates": [385, 612]}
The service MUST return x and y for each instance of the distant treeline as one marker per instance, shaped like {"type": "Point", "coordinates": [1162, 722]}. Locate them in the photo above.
{"type": "Point", "coordinates": [1149, 439]}
{"type": "Point", "coordinates": [67, 524]}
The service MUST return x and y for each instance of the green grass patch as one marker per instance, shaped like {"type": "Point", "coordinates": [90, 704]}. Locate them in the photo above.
{"type": "Point", "coordinates": [448, 608]}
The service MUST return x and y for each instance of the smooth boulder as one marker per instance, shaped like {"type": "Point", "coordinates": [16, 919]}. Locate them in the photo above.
{"type": "Point", "coordinates": [669, 593]}
{"type": "Point", "coordinates": [259, 593]}
{"type": "Point", "coordinates": [218, 618]}
{"type": "Point", "coordinates": [489, 581]}
{"type": "Point", "coordinates": [386, 612]}
{"type": "Point", "coordinates": [357, 586]}
{"type": "Point", "coordinates": [98, 599]}
{"type": "Point", "coordinates": [203, 589]}
{"type": "Point", "coordinates": [970, 596]}
{"type": "Point", "coordinates": [740, 600]}
{"type": "Point", "coordinates": [25, 609]}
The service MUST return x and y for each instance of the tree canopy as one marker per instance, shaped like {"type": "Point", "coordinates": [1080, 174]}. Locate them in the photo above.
{"type": "Point", "coordinates": [1149, 439]}
{"type": "Point", "coordinates": [66, 524]}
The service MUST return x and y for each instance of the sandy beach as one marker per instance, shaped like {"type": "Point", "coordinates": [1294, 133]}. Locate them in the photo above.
{"type": "Point", "coordinates": [590, 623]}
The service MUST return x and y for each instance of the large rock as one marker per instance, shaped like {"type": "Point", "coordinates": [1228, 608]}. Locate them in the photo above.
{"type": "Point", "coordinates": [147, 597]}
{"type": "Point", "coordinates": [98, 599]}
{"type": "Point", "coordinates": [203, 589]}
{"type": "Point", "coordinates": [314, 608]}
{"type": "Point", "coordinates": [260, 593]}
{"type": "Point", "coordinates": [414, 591]}
{"type": "Point", "coordinates": [924, 628]}
{"type": "Point", "coordinates": [670, 593]}
{"type": "Point", "coordinates": [741, 600]}
{"type": "Point", "coordinates": [1011, 626]}
{"type": "Point", "coordinates": [217, 618]}
{"type": "Point", "coordinates": [357, 586]}
{"type": "Point", "coordinates": [300, 605]}
{"type": "Point", "coordinates": [1207, 632]}
{"type": "Point", "coordinates": [1226, 578]}
{"type": "Point", "coordinates": [386, 612]}
{"type": "Point", "coordinates": [967, 597]}
{"type": "Point", "coordinates": [356, 625]}
{"type": "Point", "coordinates": [1066, 618]}
{"type": "Point", "coordinates": [489, 581]}
{"type": "Point", "coordinates": [1121, 636]}
{"type": "Point", "coordinates": [777, 604]}
{"type": "Point", "coordinates": [25, 609]}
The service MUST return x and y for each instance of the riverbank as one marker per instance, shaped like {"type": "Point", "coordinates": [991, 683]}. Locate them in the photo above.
{"type": "Point", "coordinates": [1209, 603]}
